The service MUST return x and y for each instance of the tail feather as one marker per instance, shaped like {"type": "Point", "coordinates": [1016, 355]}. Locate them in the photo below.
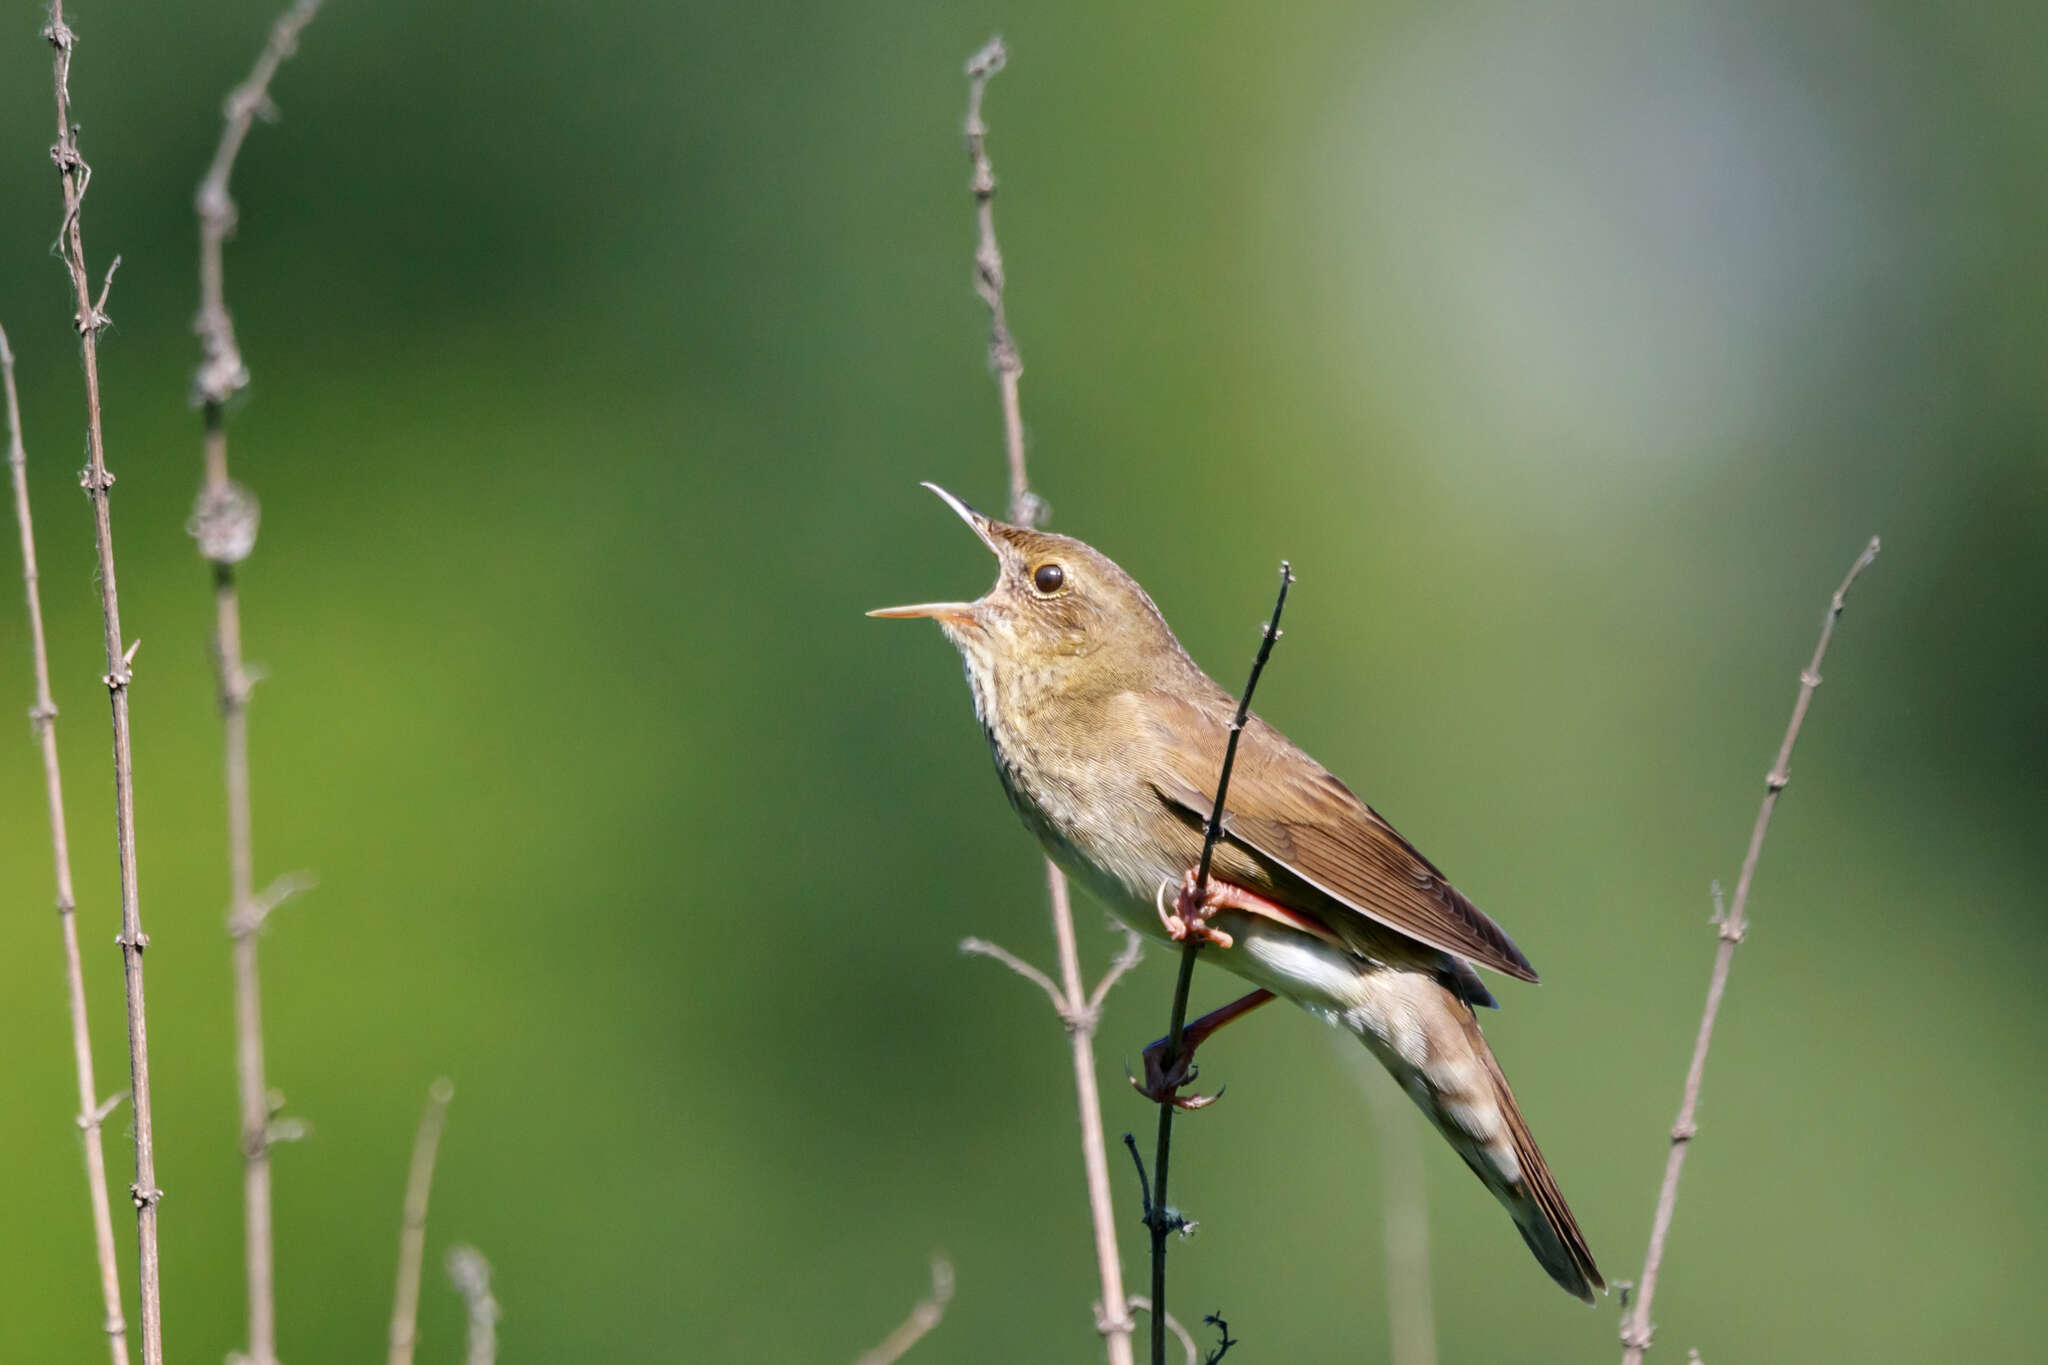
{"type": "Point", "coordinates": [1427, 1036]}
{"type": "Point", "coordinates": [1536, 1204]}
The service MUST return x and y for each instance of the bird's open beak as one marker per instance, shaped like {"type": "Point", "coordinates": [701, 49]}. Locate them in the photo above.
{"type": "Point", "coordinates": [976, 522]}
{"type": "Point", "coordinates": [959, 613]}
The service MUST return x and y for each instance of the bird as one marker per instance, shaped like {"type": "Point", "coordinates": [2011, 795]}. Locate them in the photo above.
{"type": "Point", "coordinates": [1108, 739]}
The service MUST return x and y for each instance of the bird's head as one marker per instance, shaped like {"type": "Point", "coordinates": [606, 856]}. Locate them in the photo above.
{"type": "Point", "coordinates": [1060, 611]}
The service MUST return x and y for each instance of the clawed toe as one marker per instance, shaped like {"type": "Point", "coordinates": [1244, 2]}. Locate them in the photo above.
{"type": "Point", "coordinates": [1162, 1086]}
{"type": "Point", "coordinates": [1188, 917]}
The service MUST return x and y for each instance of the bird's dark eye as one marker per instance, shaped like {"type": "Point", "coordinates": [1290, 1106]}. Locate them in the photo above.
{"type": "Point", "coordinates": [1048, 578]}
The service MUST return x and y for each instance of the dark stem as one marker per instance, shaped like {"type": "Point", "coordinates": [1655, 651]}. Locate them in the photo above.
{"type": "Point", "coordinates": [1222, 1347]}
{"type": "Point", "coordinates": [1144, 1185]}
{"type": "Point", "coordinates": [1162, 1155]}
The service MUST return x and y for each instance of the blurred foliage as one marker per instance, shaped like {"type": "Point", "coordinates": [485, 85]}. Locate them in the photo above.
{"type": "Point", "coordinates": [1569, 351]}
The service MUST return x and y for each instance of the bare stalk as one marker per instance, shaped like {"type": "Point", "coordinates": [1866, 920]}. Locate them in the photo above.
{"type": "Point", "coordinates": [1026, 508]}
{"type": "Point", "coordinates": [412, 1233]}
{"type": "Point", "coordinates": [225, 524]}
{"type": "Point", "coordinates": [1180, 1334]}
{"type": "Point", "coordinates": [76, 175]}
{"type": "Point", "coordinates": [471, 1274]}
{"type": "Point", "coordinates": [1636, 1327]}
{"type": "Point", "coordinates": [1159, 1216]}
{"type": "Point", "coordinates": [91, 1110]}
{"type": "Point", "coordinates": [1411, 1318]}
{"type": "Point", "coordinates": [1078, 1008]}
{"type": "Point", "coordinates": [924, 1316]}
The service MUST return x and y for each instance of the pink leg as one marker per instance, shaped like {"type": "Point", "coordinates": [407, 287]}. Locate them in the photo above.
{"type": "Point", "coordinates": [1161, 1084]}
{"type": "Point", "coordinates": [1189, 919]}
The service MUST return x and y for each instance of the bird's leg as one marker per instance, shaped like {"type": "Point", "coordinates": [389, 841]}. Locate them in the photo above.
{"type": "Point", "coordinates": [1163, 1082]}
{"type": "Point", "coordinates": [1189, 917]}
{"type": "Point", "coordinates": [1186, 918]}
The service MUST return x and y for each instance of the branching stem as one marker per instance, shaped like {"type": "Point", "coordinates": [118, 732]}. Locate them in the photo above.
{"type": "Point", "coordinates": [1636, 1325]}
{"type": "Point", "coordinates": [1077, 1007]}
{"type": "Point", "coordinates": [412, 1232]}
{"type": "Point", "coordinates": [224, 522]}
{"type": "Point", "coordinates": [76, 175]}
{"type": "Point", "coordinates": [92, 1111]}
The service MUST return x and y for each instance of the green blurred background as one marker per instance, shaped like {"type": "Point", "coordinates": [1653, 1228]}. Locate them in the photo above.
{"type": "Point", "coordinates": [1570, 352]}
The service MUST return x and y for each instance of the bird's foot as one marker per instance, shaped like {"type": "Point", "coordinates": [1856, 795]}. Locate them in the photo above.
{"type": "Point", "coordinates": [1189, 916]}
{"type": "Point", "coordinates": [1162, 1083]}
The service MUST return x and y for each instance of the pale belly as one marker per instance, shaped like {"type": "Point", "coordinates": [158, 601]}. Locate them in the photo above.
{"type": "Point", "coordinates": [1325, 980]}
{"type": "Point", "coordinates": [1107, 854]}
{"type": "Point", "coordinates": [1399, 1009]}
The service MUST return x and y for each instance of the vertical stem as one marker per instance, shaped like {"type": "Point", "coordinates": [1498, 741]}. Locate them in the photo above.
{"type": "Point", "coordinates": [412, 1233]}
{"type": "Point", "coordinates": [90, 1110]}
{"type": "Point", "coordinates": [472, 1276]}
{"type": "Point", "coordinates": [1026, 510]}
{"type": "Point", "coordinates": [251, 1088]}
{"type": "Point", "coordinates": [1088, 1105]}
{"type": "Point", "coordinates": [1636, 1327]}
{"type": "Point", "coordinates": [225, 524]}
{"type": "Point", "coordinates": [75, 175]}
{"type": "Point", "coordinates": [1162, 1147]}
{"type": "Point", "coordinates": [1411, 1317]}
{"type": "Point", "coordinates": [1162, 1151]}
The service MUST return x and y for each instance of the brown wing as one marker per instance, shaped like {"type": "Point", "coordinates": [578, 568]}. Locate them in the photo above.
{"type": "Point", "coordinates": [1286, 809]}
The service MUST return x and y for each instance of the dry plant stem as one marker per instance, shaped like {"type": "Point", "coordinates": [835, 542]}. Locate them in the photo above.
{"type": "Point", "coordinates": [226, 526]}
{"type": "Point", "coordinates": [1160, 1221]}
{"type": "Point", "coordinates": [90, 1108]}
{"type": "Point", "coordinates": [1636, 1327]}
{"type": "Point", "coordinates": [223, 373]}
{"type": "Point", "coordinates": [1003, 356]}
{"type": "Point", "coordinates": [1077, 1007]}
{"type": "Point", "coordinates": [471, 1274]}
{"type": "Point", "coordinates": [1144, 1305]}
{"type": "Point", "coordinates": [412, 1233]}
{"type": "Point", "coordinates": [1411, 1317]}
{"type": "Point", "coordinates": [923, 1317]}
{"type": "Point", "coordinates": [76, 175]}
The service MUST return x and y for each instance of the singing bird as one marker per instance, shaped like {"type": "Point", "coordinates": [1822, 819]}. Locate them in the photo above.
{"type": "Point", "coordinates": [1108, 739]}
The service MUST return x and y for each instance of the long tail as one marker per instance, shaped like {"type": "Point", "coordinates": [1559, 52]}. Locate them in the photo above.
{"type": "Point", "coordinates": [1435, 1049]}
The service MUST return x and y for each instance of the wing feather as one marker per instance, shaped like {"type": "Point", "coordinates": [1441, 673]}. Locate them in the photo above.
{"type": "Point", "coordinates": [1286, 809]}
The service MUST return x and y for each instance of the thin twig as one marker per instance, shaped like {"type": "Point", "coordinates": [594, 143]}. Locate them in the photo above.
{"type": "Point", "coordinates": [222, 374]}
{"type": "Point", "coordinates": [269, 899]}
{"type": "Point", "coordinates": [90, 1111]}
{"type": "Point", "coordinates": [1225, 1340]}
{"type": "Point", "coordinates": [924, 1316]}
{"type": "Point", "coordinates": [1175, 1220]}
{"type": "Point", "coordinates": [1026, 508]}
{"type": "Point", "coordinates": [412, 1232]}
{"type": "Point", "coordinates": [225, 524]}
{"type": "Point", "coordinates": [76, 175]}
{"type": "Point", "coordinates": [981, 947]}
{"type": "Point", "coordinates": [472, 1276]}
{"type": "Point", "coordinates": [1131, 956]}
{"type": "Point", "coordinates": [1411, 1317]}
{"type": "Point", "coordinates": [1636, 1327]}
{"type": "Point", "coordinates": [1077, 1007]}
{"type": "Point", "coordinates": [1142, 1304]}
{"type": "Point", "coordinates": [1190, 949]}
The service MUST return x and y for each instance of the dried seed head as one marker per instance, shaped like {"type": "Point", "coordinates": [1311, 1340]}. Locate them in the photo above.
{"type": "Point", "coordinates": [224, 521]}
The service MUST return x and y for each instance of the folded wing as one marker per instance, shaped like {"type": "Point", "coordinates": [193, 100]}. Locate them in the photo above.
{"type": "Point", "coordinates": [1285, 809]}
